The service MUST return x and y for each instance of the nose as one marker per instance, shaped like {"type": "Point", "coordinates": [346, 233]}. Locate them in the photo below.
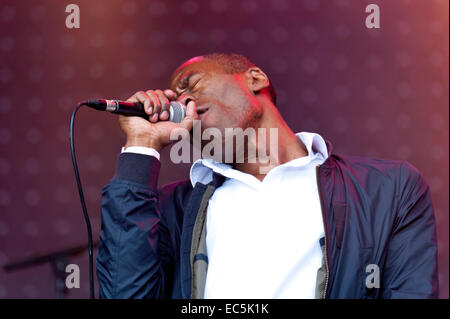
{"type": "Point", "coordinates": [185, 99]}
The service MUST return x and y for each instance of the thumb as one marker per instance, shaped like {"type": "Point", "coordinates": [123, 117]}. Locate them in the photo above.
{"type": "Point", "coordinates": [191, 115]}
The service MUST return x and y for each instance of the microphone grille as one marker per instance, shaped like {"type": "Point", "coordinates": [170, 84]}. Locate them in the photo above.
{"type": "Point", "coordinates": [177, 112]}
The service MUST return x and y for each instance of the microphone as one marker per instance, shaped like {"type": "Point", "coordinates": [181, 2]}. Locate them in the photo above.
{"type": "Point", "coordinates": [177, 109]}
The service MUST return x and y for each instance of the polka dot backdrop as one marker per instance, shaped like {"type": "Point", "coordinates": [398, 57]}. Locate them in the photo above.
{"type": "Point", "coordinates": [371, 92]}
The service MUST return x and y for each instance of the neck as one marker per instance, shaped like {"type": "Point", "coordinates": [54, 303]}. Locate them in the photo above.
{"type": "Point", "coordinates": [288, 147]}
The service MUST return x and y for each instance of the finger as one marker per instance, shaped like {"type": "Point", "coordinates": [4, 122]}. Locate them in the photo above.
{"type": "Point", "coordinates": [154, 118]}
{"type": "Point", "coordinates": [156, 105]}
{"type": "Point", "coordinates": [170, 94]}
{"type": "Point", "coordinates": [191, 115]}
{"type": "Point", "coordinates": [143, 98]}
{"type": "Point", "coordinates": [165, 105]}
{"type": "Point", "coordinates": [191, 110]}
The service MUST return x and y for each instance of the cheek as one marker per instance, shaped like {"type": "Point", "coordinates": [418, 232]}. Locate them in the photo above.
{"type": "Point", "coordinates": [218, 118]}
{"type": "Point", "coordinates": [231, 93]}
{"type": "Point", "coordinates": [231, 102]}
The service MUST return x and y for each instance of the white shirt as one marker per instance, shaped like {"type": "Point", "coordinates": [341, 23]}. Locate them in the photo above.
{"type": "Point", "coordinates": [262, 238]}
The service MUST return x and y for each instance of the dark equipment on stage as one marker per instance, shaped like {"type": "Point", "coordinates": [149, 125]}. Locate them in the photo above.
{"type": "Point", "coordinates": [59, 261]}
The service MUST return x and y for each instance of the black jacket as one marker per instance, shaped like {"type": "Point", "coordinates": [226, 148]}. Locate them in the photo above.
{"type": "Point", "coordinates": [378, 220]}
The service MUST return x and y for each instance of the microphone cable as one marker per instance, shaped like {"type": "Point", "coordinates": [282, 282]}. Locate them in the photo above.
{"type": "Point", "coordinates": [83, 204]}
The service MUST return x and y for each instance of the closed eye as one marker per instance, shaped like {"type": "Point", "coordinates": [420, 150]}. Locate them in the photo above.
{"type": "Point", "coordinates": [193, 86]}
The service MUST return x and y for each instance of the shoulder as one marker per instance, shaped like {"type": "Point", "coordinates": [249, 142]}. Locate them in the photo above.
{"type": "Point", "coordinates": [376, 171]}
{"type": "Point", "coordinates": [386, 167]}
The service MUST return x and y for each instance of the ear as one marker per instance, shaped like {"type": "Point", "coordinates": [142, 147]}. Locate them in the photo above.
{"type": "Point", "coordinates": [257, 80]}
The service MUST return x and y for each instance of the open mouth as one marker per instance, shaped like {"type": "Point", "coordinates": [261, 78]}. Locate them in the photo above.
{"type": "Point", "coordinates": [201, 110]}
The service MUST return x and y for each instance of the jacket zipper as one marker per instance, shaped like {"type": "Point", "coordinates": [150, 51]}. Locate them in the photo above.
{"type": "Point", "coordinates": [325, 228]}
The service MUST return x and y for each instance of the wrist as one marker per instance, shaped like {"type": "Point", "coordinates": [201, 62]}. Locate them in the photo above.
{"type": "Point", "coordinates": [143, 142]}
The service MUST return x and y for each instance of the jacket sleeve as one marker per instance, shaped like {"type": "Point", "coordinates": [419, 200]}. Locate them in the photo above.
{"type": "Point", "coordinates": [128, 263]}
{"type": "Point", "coordinates": [411, 264]}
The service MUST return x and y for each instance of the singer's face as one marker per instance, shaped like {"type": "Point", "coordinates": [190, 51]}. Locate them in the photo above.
{"type": "Point", "coordinates": [222, 100]}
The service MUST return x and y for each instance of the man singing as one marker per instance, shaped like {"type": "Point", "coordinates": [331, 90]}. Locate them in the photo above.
{"type": "Point", "coordinates": [308, 223]}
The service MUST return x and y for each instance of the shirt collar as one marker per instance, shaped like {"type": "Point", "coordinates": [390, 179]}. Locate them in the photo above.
{"type": "Point", "coordinates": [202, 169]}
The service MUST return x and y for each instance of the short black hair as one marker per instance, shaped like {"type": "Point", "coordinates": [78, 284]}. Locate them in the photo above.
{"type": "Point", "coordinates": [233, 63]}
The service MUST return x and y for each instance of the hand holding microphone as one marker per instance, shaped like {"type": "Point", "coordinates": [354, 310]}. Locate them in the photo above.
{"type": "Point", "coordinates": [164, 115]}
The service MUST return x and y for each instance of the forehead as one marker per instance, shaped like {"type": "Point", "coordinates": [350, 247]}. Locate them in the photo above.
{"type": "Point", "coordinates": [194, 65]}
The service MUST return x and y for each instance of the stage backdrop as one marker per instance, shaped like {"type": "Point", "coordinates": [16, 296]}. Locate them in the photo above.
{"type": "Point", "coordinates": [371, 92]}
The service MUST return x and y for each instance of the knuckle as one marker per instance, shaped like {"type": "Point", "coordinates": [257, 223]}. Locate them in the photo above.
{"type": "Point", "coordinates": [141, 97]}
{"type": "Point", "coordinates": [170, 94]}
{"type": "Point", "coordinates": [152, 100]}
